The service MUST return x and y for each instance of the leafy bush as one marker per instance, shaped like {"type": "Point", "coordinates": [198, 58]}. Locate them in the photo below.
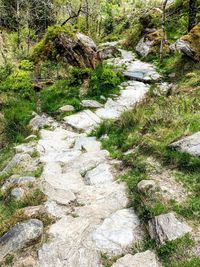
{"type": "Point", "coordinates": [26, 65]}
{"type": "Point", "coordinates": [20, 81]}
{"type": "Point", "coordinates": [58, 95]}
{"type": "Point", "coordinates": [104, 81]}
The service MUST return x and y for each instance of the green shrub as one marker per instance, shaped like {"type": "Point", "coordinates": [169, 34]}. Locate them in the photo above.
{"type": "Point", "coordinates": [104, 81]}
{"type": "Point", "coordinates": [26, 65]}
{"type": "Point", "coordinates": [17, 115]}
{"type": "Point", "coordinates": [77, 76]}
{"type": "Point", "coordinates": [20, 81]}
{"type": "Point", "coordinates": [58, 95]}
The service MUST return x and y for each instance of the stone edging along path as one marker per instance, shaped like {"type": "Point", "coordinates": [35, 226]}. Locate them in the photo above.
{"type": "Point", "coordinates": [79, 179]}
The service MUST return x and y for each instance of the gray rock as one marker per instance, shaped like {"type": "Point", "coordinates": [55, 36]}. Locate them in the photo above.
{"type": "Point", "coordinates": [143, 47]}
{"type": "Point", "coordinates": [167, 227]}
{"type": "Point", "coordinates": [60, 196]}
{"type": "Point", "coordinates": [182, 46]}
{"type": "Point", "coordinates": [190, 144]}
{"type": "Point", "coordinates": [18, 181]}
{"type": "Point", "coordinates": [91, 104]}
{"type": "Point", "coordinates": [118, 233]}
{"type": "Point", "coordinates": [83, 121]}
{"type": "Point", "coordinates": [89, 144]}
{"type": "Point", "coordinates": [17, 160]}
{"type": "Point", "coordinates": [141, 71]}
{"type": "Point", "coordinates": [146, 186]}
{"type": "Point", "coordinates": [66, 108]}
{"type": "Point", "coordinates": [109, 51]}
{"type": "Point", "coordinates": [39, 122]}
{"type": "Point", "coordinates": [143, 259]}
{"type": "Point", "coordinates": [17, 193]}
{"type": "Point", "coordinates": [86, 40]}
{"type": "Point", "coordinates": [101, 174]}
{"type": "Point", "coordinates": [20, 236]}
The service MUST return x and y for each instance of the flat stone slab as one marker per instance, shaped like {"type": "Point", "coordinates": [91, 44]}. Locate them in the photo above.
{"type": "Point", "coordinates": [86, 162]}
{"type": "Point", "coordinates": [101, 174]}
{"type": "Point", "coordinates": [141, 71]}
{"type": "Point", "coordinates": [20, 236]}
{"type": "Point", "coordinates": [88, 144]}
{"type": "Point", "coordinates": [143, 259]}
{"type": "Point", "coordinates": [83, 121]}
{"type": "Point", "coordinates": [118, 232]}
{"type": "Point", "coordinates": [70, 245]}
{"type": "Point", "coordinates": [70, 181]}
{"type": "Point", "coordinates": [167, 227]}
{"type": "Point", "coordinates": [133, 92]}
{"type": "Point", "coordinates": [60, 196]}
{"type": "Point", "coordinates": [190, 144]}
{"type": "Point", "coordinates": [91, 104]}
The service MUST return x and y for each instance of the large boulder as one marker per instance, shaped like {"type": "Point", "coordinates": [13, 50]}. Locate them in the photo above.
{"type": "Point", "coordinates": [189, 44]}
{"type": "Point", "coordinates": [60, 44]}
{"type": "Point", "coordinates": [150, 44]}
{"type": "Point", "coordinates": [167, 227]}
{"type": "Point", "coordinates": [20, 236]}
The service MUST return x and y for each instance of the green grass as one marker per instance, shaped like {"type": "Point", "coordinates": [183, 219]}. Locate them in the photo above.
{"type": "Point", "coordinates": [177, 252]}
{"type": "Point", "coordinates": [9, 208]}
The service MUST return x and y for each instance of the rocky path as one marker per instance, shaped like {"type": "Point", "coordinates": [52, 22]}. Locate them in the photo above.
{"type": "Point", "coordinates": [80, 181]}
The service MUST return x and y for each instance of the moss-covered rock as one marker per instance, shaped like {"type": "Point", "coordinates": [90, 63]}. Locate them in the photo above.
{"type": "Point", "coordinates": [150, 44]}
{"type": "Point", "coordinates": [64, 45]}
{"type": "Point", "coordinates": [189, 44]}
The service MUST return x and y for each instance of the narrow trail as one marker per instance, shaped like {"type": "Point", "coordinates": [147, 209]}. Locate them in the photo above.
{"type": "Point", "coordinates": [79, 179]}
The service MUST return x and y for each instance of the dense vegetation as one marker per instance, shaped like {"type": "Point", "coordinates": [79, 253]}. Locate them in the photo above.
{"type": "Point", "coordinates": [34, 78]}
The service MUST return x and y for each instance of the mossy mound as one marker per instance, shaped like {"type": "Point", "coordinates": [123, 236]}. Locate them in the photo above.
{"type": "Point", "coordinates": [61, 44]}
{"type": "Point", "coordinates": [193, 39]}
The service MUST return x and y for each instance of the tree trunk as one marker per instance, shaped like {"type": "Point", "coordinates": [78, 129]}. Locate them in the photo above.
{"type": "Point", "coordinates": [192, 14]}
{"type": "Point", "coordinates": [163, 37]}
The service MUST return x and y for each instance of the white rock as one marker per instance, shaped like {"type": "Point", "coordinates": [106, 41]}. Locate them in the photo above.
{"type": "Point", "coordinates": [118, 233]}
{"type": "Point", "coordinates": [71, 180]}
{"type": "Point", "coordinates": [143, 47]}
{"type": "Point", "coordinates": [83, 121]}
{"type": "Point", "coordinates": [86, 40]}
{"type": "Point", "coordinates": [71, 245]}
{"type": "Point", "coordinates": [142, 71]}
{"type": "Point", "coordinates": [91, 104]}
{"type": "Point", "coordinates": [66, 108]}
{"type": "Point", "coordinates": [167, 227]}
{"type": "Point", "coordinates": [89, 144]}
{"type": "Point", "coordinates": [101, 174]}
{"type": "Point", "coordinates": [60, 196]}
{"type": "Point", "coordinates": [143, 259]}
{"type": "Point", "coordinates": [190, 144]}
{"type": "Point", "coordinates": [86, 161]}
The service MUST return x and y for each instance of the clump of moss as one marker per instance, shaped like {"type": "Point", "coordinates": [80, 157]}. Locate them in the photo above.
{"type": "Point", "coordinates": [45, 48]}
{"type": "Point", "coordinates": [193, 38]}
